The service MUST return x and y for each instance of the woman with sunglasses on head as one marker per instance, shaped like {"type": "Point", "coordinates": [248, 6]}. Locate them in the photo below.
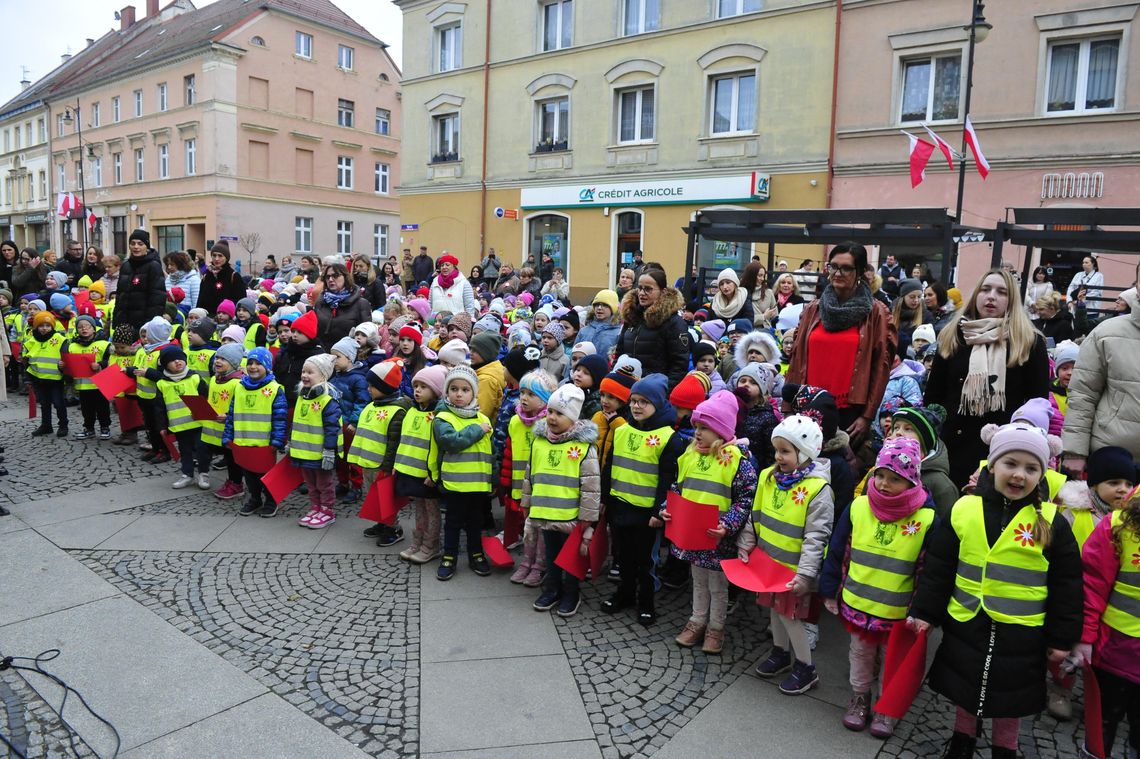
{"type": "Point", "coordinates": [653, 330]}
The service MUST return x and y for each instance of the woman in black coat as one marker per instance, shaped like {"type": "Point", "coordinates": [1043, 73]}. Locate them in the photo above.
{"type": "Point", "coordinates": [652, 330]}
{"type": "Point", "coordinates": [340, 307]}
{"type": "Point", "coordinates": [141, 294]}
{"type": "Point", "coordinates": [9, 259]}
{"type": "Point", "coordinates": [220, 282]}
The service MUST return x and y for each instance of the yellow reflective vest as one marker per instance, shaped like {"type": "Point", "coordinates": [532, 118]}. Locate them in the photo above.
{"type": "Point", "coordinates": [469, 470]}
{"type": "Point", "coordinates": [97, 348]}
{"type": "Point", "coordinates": [779, 516]}
{"type": "Point", "coordinates": [635, 463]}
{"type": "Point", "coordinates": [114, 359]}
{"type": "Point", "coordinates": [1062, 400]}
{"type": "Point", "coordinates": [1054, 480]}
{"type": "Point", "coordinates": [307, 434]}
{"type": "Point", "coordinates": [417, 454]}
{"type": "Point", "coordinates": [178, 416]}
{"type": "Point", "coordinates": [880, 575]}
{"type": "Point", "coordinates": [146, 360]}
{"type": "Point", "coordinates": [42, 357]}
{"type": "Point", "coordinates": [251, 334]}
{"type": "Point", "coordinates": [220, 395]}
{"type": "Point", "coordinates": [704, 478]}
{"type": "Point", "coordinates": [370, 443]}
{"type": "Point", "coordinates": [1123, 610]}
{"type": "Point", "coordinates": [555, 479]}
{"type": "Point", "coordinates": [253, 414]}
{"type": "Point", "coordinates": [522, 437]}
{"type": "Point", "coordinates": [199, 359]}
{"type": "Point", "coordinates": [1083, 525]}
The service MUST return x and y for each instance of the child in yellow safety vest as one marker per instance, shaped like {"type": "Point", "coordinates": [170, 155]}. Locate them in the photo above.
{"type": "Point", "coordinates": [155, 335]}
{"type": "Point", "coordinates": [465, 463]}
{"type": "Point", "coordinates": [713, 470]}
{"type": "Point", "coordinates": [92, 404]}
{"type": "Point", "coordinates": [201, 346]}
{"type": "Point", "coordinates": [377, 438]}
{"type": "Point", "coordinates": [174, 416]}
{"type": "Point", "coordinates": [124, 348]}
{"type": "Point", "coordinates": [1110, 638]}
{"type": "Point", "coordinates": [562, 489]}
{"type": "Point", "coordinates": [258, 414]}
{"type": "Point", "coordinates": [868, 576]}
{"type": "Point", "coordinates": [1003, 577]}
{"type": "Point", "coordinates": [535, 388]}
{"type": "Point", "coordinates": [42, 355]}
{"type": "Point", "coordinates": [226, 374]}
{"type": "Point", "coordinates": [792, 517]}
{"type": "Point", "coordinates": [315, 437]}
{"type": "Point", "coordinates": [417, 461]}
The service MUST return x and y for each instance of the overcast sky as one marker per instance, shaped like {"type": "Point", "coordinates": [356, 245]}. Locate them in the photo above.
{"type": "Point", "coordinates": [39, 42]}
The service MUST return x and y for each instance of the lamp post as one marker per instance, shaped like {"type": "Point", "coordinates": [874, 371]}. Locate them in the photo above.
{"type": "Point", "coordinates": [68, 116]}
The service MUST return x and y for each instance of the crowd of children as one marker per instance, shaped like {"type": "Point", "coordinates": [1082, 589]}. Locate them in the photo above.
{"type": "Point", "coordinates": [452, 414]}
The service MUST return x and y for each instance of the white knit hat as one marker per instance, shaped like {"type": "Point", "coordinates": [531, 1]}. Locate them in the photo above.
{"type": "Point", "coordinates": [803, 433]}
{"type": "Point", "coordinates": [567, 400]}
{"type": "Point", "coordinates": [455, 352]}
{"type": "Point", "coordinates": [924, 332]}
{"type": "Point", "coordinates": [461, 372]}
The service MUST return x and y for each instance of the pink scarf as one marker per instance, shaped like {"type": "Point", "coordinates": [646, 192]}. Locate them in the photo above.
{"type": "Point", "coordinates": [446, 281]}
{"type": "Point", "coordinates": [892, 508]}
{"type": "Point", "coordinates": [527, 419]}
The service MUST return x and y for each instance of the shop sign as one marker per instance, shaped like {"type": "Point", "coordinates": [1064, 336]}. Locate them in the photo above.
{"type": "Point", "coordinates": [36, 218]}
{"type": "Point", "coordinates": [741, 188]}
{"type": "Point", "coordinates": [5, 221]}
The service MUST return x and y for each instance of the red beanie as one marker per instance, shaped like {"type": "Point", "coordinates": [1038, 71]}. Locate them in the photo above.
{"type": "Point", "coordinates": [413, 333]}
{"type": "Point", "coordinates": [691, 391]}
{"type": "Point", "coordinates": [447, 258]}
{"type": "Point", "coordinates": [423, 292]}
{"type": "Point", "coordinates": [307, 325]}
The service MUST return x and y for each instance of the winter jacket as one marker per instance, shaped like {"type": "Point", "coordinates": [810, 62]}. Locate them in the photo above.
{"type": "Point", "coordinates": [1059, 326]}
{"type": "Point", "coordinates": [160, 413]}
{"type": "Point", "coordinates": [491, 384]}
{"type": "Point", "coordinates": [733, 520]}
{"type": "Point", "coordinates": [1106, 385]}
{"type": "Point", "coordinates": [335, 323]}
{"type": "Point", "coordinates": [761, 303]}
{"type": "Point", "coordinates": [459, 297]}
{"type": "Point", "coordinates": [72, 267]}
{"type": "Point", "coordinates": [936, 479]}
{"type": "Point", "coordinates": [607, 426]}
{"type": "Point", "coordinates": [395, 426]}
{"type": "Point", "coordinates": [142, 290]}
{"type": "Point", "coordinates": [1112, 650]}
{"type": "Point", "coordinates": [838, 453]}
{"type": "Point", "coordinates": [280, 413]}
{"type": "Point", "coordinates": [287, 365]}
{"type": "Point", "coordinates": [657, 336]}
{"type": "Point", "coordinates": [604, 335]}
{"type": "Point", "coordinates": [354, 395]}
{"type": "Point", "coordinates": [189, 282]}
{"type": "Point", "coordinates": [490, 267]}
{"type": "Point", "coordinates": [756, 424]}
{"type": "Point", "coordinates": [423, 268]}
{"type": "Point", "coordinates": [961, 433]}
{"type": "Point", "coordinates": [620, 512]}
{"type": "Point", "coordinates": [500, 439]}
{"type": "Point", "coordinates": [589, 491]}
{"type": "Point", "coordinates": [561, 290]}
{"type": "Point", "coordinates": [878, 340]}
{"type": "Point", "coordinates": [904, 383]}
{"type": "Point", "coordinates": [226, 284]}
{"type": "Point", "coordinates": [1016, 670]}
{"type": "Point", "coordinates": [555, 362]}
{"type": "Point", "coordinates": [27, 279]}
{"type": "Point", "coordinates": [285, 274]}
{"type": "Point", "coordinates": [330, 423]}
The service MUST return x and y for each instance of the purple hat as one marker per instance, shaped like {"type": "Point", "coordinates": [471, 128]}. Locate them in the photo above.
{"type": "Point", "coordinates": [713, 330]}
{"type": "Point", "coordinates": [1019, 437]}
{"type": "Point", "coordinates": [718, 413]}
{"type": "Point", "coordinates": [1036, 411]}
{"type": "Point", "coordinates": [902, 456]}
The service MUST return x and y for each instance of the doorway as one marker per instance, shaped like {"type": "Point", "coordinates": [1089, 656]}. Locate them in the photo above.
{"type": "Point", "coordinates": [628, 226]}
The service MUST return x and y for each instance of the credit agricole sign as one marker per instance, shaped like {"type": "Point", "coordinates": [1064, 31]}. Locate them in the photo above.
{"type": "Point", "coordinates": [742, 188]}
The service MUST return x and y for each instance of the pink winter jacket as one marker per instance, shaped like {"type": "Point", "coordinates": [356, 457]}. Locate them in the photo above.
{"type": "Point", "coordinates": [1112, 650]}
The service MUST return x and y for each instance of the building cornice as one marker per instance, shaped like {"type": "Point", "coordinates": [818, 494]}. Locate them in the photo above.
{"type": "Point", "coordinates": [1009, 164]}
{"type": "Point", "coordinates": [1017, 122]}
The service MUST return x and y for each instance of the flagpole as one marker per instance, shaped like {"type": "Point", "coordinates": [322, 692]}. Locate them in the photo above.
{"type": "Point", "coordinates": [82, 191]}
{"type": "Point", "coordinates": [950, 261]}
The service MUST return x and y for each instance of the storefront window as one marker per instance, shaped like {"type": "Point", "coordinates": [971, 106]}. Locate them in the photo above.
{"type": "Point", "coordinates": [550, 234]}
{"type": "Point", "coordinates": [170, 239]}
{"type": "Point", "coordinates": [628, 237]}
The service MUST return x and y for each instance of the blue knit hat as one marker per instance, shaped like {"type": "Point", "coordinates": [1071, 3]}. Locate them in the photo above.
{"type": "Point", "coordinates": [261, 356]}
{"type": "Point", "coordinates": [654, 388]}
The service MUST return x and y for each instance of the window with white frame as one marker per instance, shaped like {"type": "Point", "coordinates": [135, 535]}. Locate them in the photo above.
{"type": "Point", "coordinates": [382, 178]}
{"type": "Point", "coordinates": [43, 184]}
{"type": "Point", "coordinates": [345, 56]}
{"type": "Point", "coordinates": [96, 114]}
{"type": "Point", "coordinates": [162, 100]}
{"type": "Point", "coordinates": [1082, 75]}
{"type": "Point", "coordinates": [733, 104]}
{"type": "Point", "coordinates": [445, 137]}
{"type": "Point", "coordinates": [344, 172]}
{"type": "Point", "coordinates": [117, 167]}
{"type": "Point", "coordinates": [931, 88]}
{"type": "Point", "coordinates": [344, 237]}
{"type": "Point", "coordinates": [78, 172]}
{"type": "Point", "coordinates": [138, 103]}
{"type": "Point", "coordinates": [139, 173]}
{"type": "Point", "coordinates": [62, 175]}
{"type": "Point", "coordinates": [303, 234]}
{"type": "Point", "coordinates": [640, 16]}
{"type": "Point", "coordinates": [163, 161]}
{"type": "Point", "coordinates": [304, 45]}
{"type": "Point", "coordinates": [380, 241]}
{"type": "Point", "coordinates": [191, 147]}
{"type": "Point", "coordinates": [552, 119]}
{"type": "Point", "coordinates": [449, 46]}
{"type": "Point", "coordinates": [383, 121]}
{"type": "Point", "coordinates": [557, 24]}
{"type": "Point", "coordinates": [58, 129]}
{"type": "Point", "coordinates": [18, 135]}
{"type": "Point", "coordinates": [41, 130]}
{"type": "Point", "coordinates": [345, 112]}
{"type": "Point", "coordinates": [97, 170]}
{"type": "Point", "coordinates": [636, 114]}
{"type": "Point", "coordinates": [116, 112]}
{"type": "Point", "coordinates": [728, 8]}
{"type": "Point", "coordinates": [189, 89]}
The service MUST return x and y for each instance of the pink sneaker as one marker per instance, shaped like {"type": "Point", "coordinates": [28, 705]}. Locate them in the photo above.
{"type": "Point", "coordinates": [322, 519]}
{"type": "Point", "coordinates": [307, 520]}
{"type": "Point", "coordinates": [229, 490]}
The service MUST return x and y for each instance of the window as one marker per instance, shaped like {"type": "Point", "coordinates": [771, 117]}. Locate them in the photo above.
{"type": "Point", "coordinates": [383, 121]}
{"type": "Point", "coordinates": [557, 24]}
{"type": "Point", "coordinates": [636, 115]}
{"type": "Point", "coordinates": [58, 130]}
{"type": "Point", "coordinates": [139, 165]}
{"type": "Point", "coordinates": [170, 238]}
{"type": "Point", "coordinates": [62, 177]}
{"type": "Point", "coordinates": [549, 233]}
{"type": "Point", "coordinates": [733, 104]}
{"type": "Point", "coordinates": [383, 173]}
{"type": "Point", "coordinates": [138, 103]}
{"type": "Point", "coordinates": [726, 8]}
{"type": "Point", "coordinates": [302, 234]}
{"type": "Point", "coordinates": [97, 170]}
{"type": "Point", "coordinates": [191, 157]}
{"type": "Point", "coordinates": [7, 141]}
{"type": "Point", "coordinates": [380, 241]}
{"type": "Point", "coordinates": [344, 237]}
{"type": "Point", "coordinates": [445, 134]}
{"type": "Point", "coordinates": [116, 113]}
{"type": "Point", "coordinates": [345, 113]}
{"type": "Point", "coordinates": [449, 42]}
{"type": "Point", "coordinates": [641, 16]}
{"type": "Point", "coordinates": [43, 184]}
{"type": "Point", "coordinates": [344, 57]}
{"type": "Point", "coordinates": [162, 97]}
{"type": "Point", "coordinates": [117, 167]}
{"type": "Point", "coordinates": [931, 88]}
{"type": "Point", "coordinates": [16, 132]}
{"type": "Point", "coordinates": [96, 114]}
{"type": "Point", "coordinates": [1082, 75]}
{"type": "Point", "coordinates": [553, 125]}
{"type": "Point", "coordinates": [189, 89]}
{"type": "Point", "coordinates": [304, 48]}
{"type": "Point", "coordinates": [343, 172]}
{"type": "Point", "coordinates": [78, 172]}
{"type": "Point", "coordinates": [41, 130]}
{"type": "Point", "coordinates": [163, 161]}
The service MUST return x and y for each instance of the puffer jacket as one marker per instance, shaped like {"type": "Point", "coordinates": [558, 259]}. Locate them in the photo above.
{"type": "Point", "coordinates": [353, 387]}
{"type": "Point", "coordinates": [330, 423]}
{"type": "Point", "coordinates": [936, 479]}
{"type": "Point", "coordinates": [288, 363]}
{"type": "Point", "coordinates": [280, 413]}
{"type": "Point", "coordinates": [189, 282]}
{"type": "Point", "coordinates": [590, 490]}
{"type": "Point", "coordinates": [1106, 385]}
{"type": "Point", "coordinates": [604, 335]}
{"type": "Point", "coordinates": [459, 297]}
{"type": "Point", "coordinates": [657, 336]}
{"type": "Point", "coordinates": [214, 287]}
{"type": "Point", "coordinates": [141, 294]}
{"type": "Point", "coordinates": [335, 323]}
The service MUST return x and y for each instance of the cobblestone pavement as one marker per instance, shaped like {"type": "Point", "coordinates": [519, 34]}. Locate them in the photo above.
{"type": "Point", "coordinates": [31, 725]}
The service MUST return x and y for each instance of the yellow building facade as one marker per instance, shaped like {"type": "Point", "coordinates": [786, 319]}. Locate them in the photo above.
{"type": "Point", "coordinates": [595, 128]}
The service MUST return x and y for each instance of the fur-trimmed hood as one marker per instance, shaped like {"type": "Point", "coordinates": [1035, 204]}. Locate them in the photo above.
{"type": "Point", "coordinates": [757, 340]}
{"type": "Point", "coordinates": [669, 304]}
{"type": "Point", "coordinates": [1074, 495]}
{"type": "Point", "coordinates": [838, 443]}
{"type": "Point", "coordinates": [583, 431]}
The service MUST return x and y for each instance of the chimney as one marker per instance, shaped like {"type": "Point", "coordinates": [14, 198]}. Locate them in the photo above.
{"type": "Point", "coordinates": [151, 8]}
{"type": "Point", "coordinates": [90, 42]}
{"type": "Point", "coordinates": [65, 57]}
{"type": "Point", "coordinates": [24, 84]}
{"type": "Point", "coordinates": [126, 18]}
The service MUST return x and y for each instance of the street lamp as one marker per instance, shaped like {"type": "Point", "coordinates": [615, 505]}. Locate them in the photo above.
{"type": "Point", "coordinates": [70, 116]}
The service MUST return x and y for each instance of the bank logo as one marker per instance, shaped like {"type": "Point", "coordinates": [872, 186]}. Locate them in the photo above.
{"type": "Point", "coordinates": [586, 195]}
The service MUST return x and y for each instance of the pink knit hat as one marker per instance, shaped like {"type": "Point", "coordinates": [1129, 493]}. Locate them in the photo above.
{"type": "Point", "coordinates": [433, 377]}
{"type": "Point", "coordinates": [903, 457]}
{"type": "Point", "coordinates": [718, 413]}
{"type": "Point", "coordinates": [1020, 437]}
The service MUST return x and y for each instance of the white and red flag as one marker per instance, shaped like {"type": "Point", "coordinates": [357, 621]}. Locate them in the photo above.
{"type": "Point", "coordinates": [943, 145]}
{"type": "Point", "coordinates": [976, 146]}
{"type": "Point", "coordinates": [91, 219]}
{"type": "Point", "coordinates": [920, 152]}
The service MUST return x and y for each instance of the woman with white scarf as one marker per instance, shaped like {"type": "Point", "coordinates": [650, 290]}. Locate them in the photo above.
{"type": "Point", "coordinates": [990, 361]}
{"type": "Point", "coordinates": [731, 301]}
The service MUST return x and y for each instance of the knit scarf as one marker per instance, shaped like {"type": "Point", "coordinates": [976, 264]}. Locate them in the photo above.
{"type": "Point", "coordinates": [984, 389]}
{"type": "Point", "coordinates": [463, 412]}
{"type": "Point", "coordinates": [447, 280]}
{"type": "Point", "coordinates": [836, 316]}
{"type": "Point", "coordinates": [891, 508]}
{"type": "Point", "coordinates": [728, 309]}
{"type": "Point", "coordinates": [1099, 507]}
{"type": "Point", "coordinates": [788, 480]}
{"type": "Point", "coordinates": [527, 419]}
{"type": "Point", "coordinates": [333, 300]}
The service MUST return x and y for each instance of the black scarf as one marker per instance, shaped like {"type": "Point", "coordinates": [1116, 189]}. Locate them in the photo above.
{"type": "Point", "coordinates": [836, 316]}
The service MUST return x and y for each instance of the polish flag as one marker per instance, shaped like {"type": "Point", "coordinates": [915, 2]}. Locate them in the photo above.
{"type": "Point", "coordinates": [943, 145]}
{"type": "Point", "coordinates": [91, 219]}
{"type": "Point", "coordinates": [920, 152]}
{"type": "Point", "coordinates": [976, 146]}
{"type": "Point", "coordinates": [63, 203]}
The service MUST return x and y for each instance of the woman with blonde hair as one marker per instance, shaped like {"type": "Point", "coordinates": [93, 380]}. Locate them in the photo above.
{"type": "Point", "coordinates": [1053, 319]}
{"type": "Point", "coordinates": [787, 291]}
{"type": "Point", "coordinates": [990, 361]}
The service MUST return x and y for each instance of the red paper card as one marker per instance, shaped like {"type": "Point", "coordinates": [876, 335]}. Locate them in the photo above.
{"type": "Point", "coordinates": [513, 522]}
{"type": "Point", "coordinates": [32, 402]}
{"type": "Point", "coordinates": [599, 549]}
{"type": "Point", "coordinates": [81, 298]}
{"type": "Point", "coordinates": [78, 364]}
{"type": "Point", "coordinates": [112, 381]}
{"type": "Point", "coordinates": [282, 479]}
{"type": "Point", "coordinates": [690, 522]}
{"type": "Point", "coordinates": [201, 409]}
{"type": "Point", "coordinates": [762, 574]}
{"type": "Point", "coordinates": [254, 458]}
{"type": "Point", "coordinates": [1094, 719]}
{"type": "Point", "coordinates": [130, 415]}
{"type": "Point", "coordinates": [904, 668]}
{"type": "Point", "coordinates": [172, 445]}
{"type": "Point", "coordinates": [17, 350]}
{"type": "Point", "coordinates": [570, 557]}
{"type": "Point", "coordinates": [381, 504]}
{"type": "Point", "coordinates": [496, 553]}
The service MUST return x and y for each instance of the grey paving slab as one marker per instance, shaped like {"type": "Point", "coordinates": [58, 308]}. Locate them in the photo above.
{"type": "Point", "coordinates": [468, 585]}
{"type": "Point", "coordinates": [485, 628]}
{"type": "Point", "coordinates": [12, 523]}
{"type": "Point", "coordinates": [255, 535]}
{"type": "Point", "coordinates": [86, 532]}
{"type": "Point", "coordinates": [158, 532]}
{"type": "Point", "coordinates": [345, 535]}
{"type": "Point", "coordinates": [537, 692]}
{"type": "Point", "coordinates": [133, 668]}
{"type": "Point", "coordinates": [127, 494]}
{"type": "Point", "coordinates": [40, 578]}
{"type": "Point", "coordinates": [265, 726]}
{"type": "Point", "coordinates": [560, 750]}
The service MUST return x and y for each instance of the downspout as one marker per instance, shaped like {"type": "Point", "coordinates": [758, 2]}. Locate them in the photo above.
{"type": "Point", "coordinates": [834, 101]}
{"type": "Point", "coordinates": [486, 116]}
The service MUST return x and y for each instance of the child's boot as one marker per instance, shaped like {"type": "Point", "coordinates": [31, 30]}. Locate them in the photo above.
{"type": "Point", "coordinates": [778, 662]}
{"type": "Point", "coordinates": [522, 571]}
{"type": "Point", "coordinates": [802, 679]}
{"type": "Point", "coordinates": [43, 429]}
{"type": "Point", "coordinates": [714, 641]}
{"type": "Point", "coordinates": [691, 635]}
{"type": "Point", "coordinates": [429, 548]}
{"type": "Point", "coordinates": [127, 438]}
{"type": "Point", "coordinates": [961, 746]}
{"type": "Point", "coordinates": [858, 709]}
{"type": "Point", "coordinates": [538, 567]}
{"type": "Point", "coordinates": [882, 726]}
{"type": "Point", "coordinates": [1059, 701]}
{"type": "Point", "coordinates": [997, 752]}
{"type": "Point", "coordinates": [414, 548]}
